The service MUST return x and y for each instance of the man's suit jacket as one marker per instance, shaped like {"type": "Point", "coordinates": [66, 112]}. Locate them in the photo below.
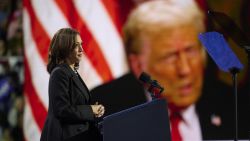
{"type": "Point", "coordinates": [214, 107]}
{"type": "Point", "coordinates": [69, 113]}
{"type": "Point", "coordinates": [119, 94]}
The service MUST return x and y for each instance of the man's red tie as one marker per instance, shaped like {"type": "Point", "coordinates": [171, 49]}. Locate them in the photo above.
{"type": "Point", "coordinates": [175, 119]}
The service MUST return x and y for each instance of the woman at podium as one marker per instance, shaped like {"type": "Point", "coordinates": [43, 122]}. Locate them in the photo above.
{"type": "Point", "coordinates": [70, 115]}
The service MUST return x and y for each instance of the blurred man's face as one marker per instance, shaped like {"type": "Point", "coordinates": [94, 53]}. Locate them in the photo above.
{"type": "Point", "coordinates": [175, 59]}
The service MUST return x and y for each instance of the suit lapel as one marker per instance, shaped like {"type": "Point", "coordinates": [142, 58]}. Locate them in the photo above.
{"type": "Point", "coordinates": [211, 121]}
{"type": "Point", "coordinates": [81, 86]}
{"type": "Point", "coordinates": [79, 82]}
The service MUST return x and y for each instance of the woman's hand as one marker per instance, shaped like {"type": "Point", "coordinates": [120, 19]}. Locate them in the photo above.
{"type": "Point", "coordinates": [98, 109]}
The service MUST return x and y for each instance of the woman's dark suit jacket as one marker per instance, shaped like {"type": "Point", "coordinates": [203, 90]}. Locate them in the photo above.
{"type": "Point", "coordinates": [69, 113]}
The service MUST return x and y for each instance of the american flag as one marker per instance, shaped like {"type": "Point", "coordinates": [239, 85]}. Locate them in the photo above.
{"type": "Point", "coordinates": [98, 21]}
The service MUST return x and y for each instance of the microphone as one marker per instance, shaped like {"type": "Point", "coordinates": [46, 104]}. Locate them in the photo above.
{"type": "Point", "coordinates": [156, 88]}
{"type": "Point", "coordinates": [146, 80]}
{"type": "Point", "coordinates": [152, 86]}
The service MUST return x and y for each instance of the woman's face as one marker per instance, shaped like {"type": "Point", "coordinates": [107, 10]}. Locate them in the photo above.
{"type": "Point", "coordinates": [76, 54]}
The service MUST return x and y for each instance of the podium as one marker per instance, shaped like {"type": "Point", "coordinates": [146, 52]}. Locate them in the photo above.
{"type": "Point", "coordinates": [145, 122]}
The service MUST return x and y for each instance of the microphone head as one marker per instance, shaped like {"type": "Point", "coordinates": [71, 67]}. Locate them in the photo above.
{"type": "Point", "coordinates": [145, 78]}
{"type": "Point", "coordinates": [156, 88]}
{"type": "Point", "coordinates": [150, 85]}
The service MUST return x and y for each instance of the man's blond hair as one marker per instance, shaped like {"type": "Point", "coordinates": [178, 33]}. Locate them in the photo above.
{"type": "Point", "coordinates": [158, 16]}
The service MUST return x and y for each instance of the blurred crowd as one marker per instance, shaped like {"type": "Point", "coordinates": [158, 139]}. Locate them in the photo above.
{"type": "Point", "coordinates": [11, 70]}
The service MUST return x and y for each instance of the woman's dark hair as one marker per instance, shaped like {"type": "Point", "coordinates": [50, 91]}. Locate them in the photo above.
{"type": "Point", "coordinates": [61, 45]}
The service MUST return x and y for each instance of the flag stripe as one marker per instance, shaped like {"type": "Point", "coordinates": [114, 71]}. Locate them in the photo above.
{"type": "Point", "coordinates": [38, 33]}
{"type": "Point", "coordinates": [90, 46]}
{"type": "Point", "coordinates": [35, 63]}
{"type": "Point", "coordinates": [113, 11]}
{"type": "Point", "coordinates": [50, 16]}
{"type": "Point", "coordinates": [31, 130]}
{"type": "Point", "coordinates": [90, 76]}
{"type": "Point", "coordinates": [105, 34]}
{"type": "Point", "coordinates": [39, 111]}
